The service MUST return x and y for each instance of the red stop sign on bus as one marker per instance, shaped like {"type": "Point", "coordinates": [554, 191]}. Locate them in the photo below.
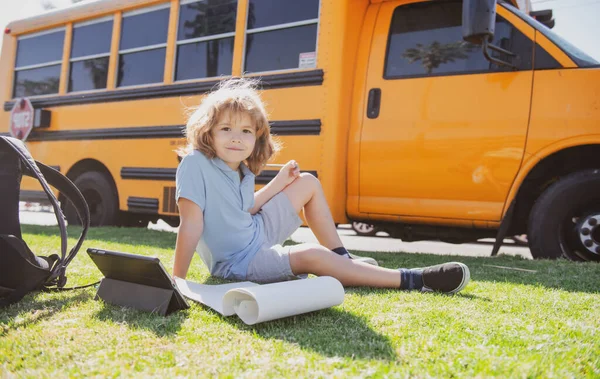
{"type": "Point", "coordinates": [21, 119]}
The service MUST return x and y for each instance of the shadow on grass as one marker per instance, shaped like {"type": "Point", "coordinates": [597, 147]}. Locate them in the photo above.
{"type": "Point", "coordinates": [30, 311]}
{"type": "Point", "coordinates": [470, 296]}
{"type": "Point", "coordinates": [161, 326]}
{"type": "Point", "coordinates": [331, 332]}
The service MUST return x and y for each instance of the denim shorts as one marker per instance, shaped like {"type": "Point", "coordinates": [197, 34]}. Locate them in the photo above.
{"type": "Point", "coordinates": [272, 262]}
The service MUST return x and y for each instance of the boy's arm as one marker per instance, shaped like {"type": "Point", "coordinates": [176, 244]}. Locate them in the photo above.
{"type": "Point", "coordinates": [190, 231]}
{"type": "Point", "coordinates": [265, 194]}
{"type": "Point", "coordinates": [288, 173]}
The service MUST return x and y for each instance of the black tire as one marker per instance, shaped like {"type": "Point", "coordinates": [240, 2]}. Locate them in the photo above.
{"type": "Point", "coordinates": [101, 197]}
{"type": "Point", "coordinates": [555, 220]}
{"type": "Point", "coordinates": [364, 229]}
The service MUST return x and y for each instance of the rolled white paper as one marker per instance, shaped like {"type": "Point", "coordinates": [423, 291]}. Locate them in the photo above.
{"type": "Point", "coordinates": [255, 303]}
{"type": "Point", "coordinates": [277, 300]}
{"type": "Point", "coordinates": [209, 295]}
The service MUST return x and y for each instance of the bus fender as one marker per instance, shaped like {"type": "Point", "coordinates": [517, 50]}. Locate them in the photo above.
{"type": "Point", "coordinates": [504, 226]}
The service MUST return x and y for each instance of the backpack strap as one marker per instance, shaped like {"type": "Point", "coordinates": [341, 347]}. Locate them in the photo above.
{"type": "Point", "coordinates": [72, 193]}
{"type": "Point", "coordinates": [39, 171]}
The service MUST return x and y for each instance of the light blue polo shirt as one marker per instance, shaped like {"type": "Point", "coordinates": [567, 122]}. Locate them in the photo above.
{"type": "Point", "coordinates": [231, 236]}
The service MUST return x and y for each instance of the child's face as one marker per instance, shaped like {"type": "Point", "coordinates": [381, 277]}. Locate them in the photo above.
{"type": "Point", "coordinates": [234, 137]}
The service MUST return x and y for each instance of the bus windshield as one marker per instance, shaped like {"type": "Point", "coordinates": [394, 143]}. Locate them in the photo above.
{"type": "Point", "coordinates": [575, 53]}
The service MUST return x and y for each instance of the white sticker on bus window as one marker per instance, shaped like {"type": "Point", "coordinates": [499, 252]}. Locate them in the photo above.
{"type": "Point", "coordinates": [308, 60]}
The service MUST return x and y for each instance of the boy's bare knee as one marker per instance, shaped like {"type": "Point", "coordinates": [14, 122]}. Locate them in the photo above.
{"type": "Point", "coordinates": [307, 257]}
{"type": "Point", "coordinates": [310, 181]}
{"type": "Point", "coordinates": [310, 178]}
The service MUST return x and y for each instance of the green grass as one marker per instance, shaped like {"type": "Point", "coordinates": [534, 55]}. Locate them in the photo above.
{"type": "Point", "coordinates": [506, 323]}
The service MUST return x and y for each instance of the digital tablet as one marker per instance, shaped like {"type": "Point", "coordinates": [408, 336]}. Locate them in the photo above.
{"type": "Point", "coordinates": [135, 268]}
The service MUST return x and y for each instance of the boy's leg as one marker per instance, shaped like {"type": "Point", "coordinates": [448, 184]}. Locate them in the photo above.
{"type": "Point", "coordinates": [306, 193]}
{"type": "Point", "coordinates": [315, 259]}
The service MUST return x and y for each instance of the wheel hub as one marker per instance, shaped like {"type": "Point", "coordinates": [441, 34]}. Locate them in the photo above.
{"type": "Point", "coordinates": [365, 228]}
{"type": "Point", "coordinates": [589, 233]}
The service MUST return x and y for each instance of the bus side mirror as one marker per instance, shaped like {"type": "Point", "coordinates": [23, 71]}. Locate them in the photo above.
{"type": "Point", "coordinates": [478, 21]}
{"type": "Point", "coordinates": [478, 24]}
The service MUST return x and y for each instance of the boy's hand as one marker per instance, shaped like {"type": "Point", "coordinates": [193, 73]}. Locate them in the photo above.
{"type": "Point", "coordinates": [288, 173]}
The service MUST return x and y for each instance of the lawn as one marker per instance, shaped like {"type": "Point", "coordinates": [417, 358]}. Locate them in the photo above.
{"type": "Point", "coordinates": [542, 321]}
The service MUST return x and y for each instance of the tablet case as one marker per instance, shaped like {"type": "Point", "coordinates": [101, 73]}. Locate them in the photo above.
{"type": "Point", "coordinates": [136, 281]}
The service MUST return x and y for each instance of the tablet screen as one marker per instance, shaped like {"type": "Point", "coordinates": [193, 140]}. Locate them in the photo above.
{"type": "Point", "coordinates": [133, 268]}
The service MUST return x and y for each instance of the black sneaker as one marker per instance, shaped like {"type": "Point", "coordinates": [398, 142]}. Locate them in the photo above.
{"type": "Point", "coordinates": [447, 277]}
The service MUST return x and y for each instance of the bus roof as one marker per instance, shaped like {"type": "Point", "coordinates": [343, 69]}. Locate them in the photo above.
{"type": "Point", "coordinates": [75, 13]}
{"type": "Point", "coordinates": [83, 11]}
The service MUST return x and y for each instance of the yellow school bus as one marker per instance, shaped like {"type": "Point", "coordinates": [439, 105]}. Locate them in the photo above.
{"type": "Point", "coordinates": [407, 125]}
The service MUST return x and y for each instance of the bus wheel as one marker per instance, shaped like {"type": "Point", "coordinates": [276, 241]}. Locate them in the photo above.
{"type": "Point", "coordinates": [364, 229]}
{"type": "Point", "coordinates": [565, 220]}
{"type": "Point", "coordinates": [101, 198]}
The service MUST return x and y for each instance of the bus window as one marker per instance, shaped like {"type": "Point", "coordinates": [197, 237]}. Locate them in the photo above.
{"type": "Point", "coordinates": [143, 44]}
{"type": "Point", "coordinates": [581, 58]}
{"type": "Point", "coordinates": [90, 52]}
{"type": "Point", "coordinates": [38, 63]}
{"type": "Point", "coordinates": [278, 32]}
{"type": "Point", "coordinates": [426, 40]}
{"type": "Point", "coordinates": [205, 39]}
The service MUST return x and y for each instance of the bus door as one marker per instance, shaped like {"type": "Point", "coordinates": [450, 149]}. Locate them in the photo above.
{"type": "Point", "coordinates": [444, 131]}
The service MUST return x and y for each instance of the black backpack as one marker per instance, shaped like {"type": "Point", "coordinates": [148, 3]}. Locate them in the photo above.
{"type": "Point", "coordinates": [21, 271]}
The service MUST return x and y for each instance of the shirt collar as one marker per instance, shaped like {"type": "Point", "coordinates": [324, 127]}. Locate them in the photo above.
{"type": "Point", "coordinates": [225, 168]}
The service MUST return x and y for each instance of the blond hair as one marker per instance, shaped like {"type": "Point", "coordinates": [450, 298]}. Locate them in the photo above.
{"type": "Point", "coordinates": [238, 96]}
